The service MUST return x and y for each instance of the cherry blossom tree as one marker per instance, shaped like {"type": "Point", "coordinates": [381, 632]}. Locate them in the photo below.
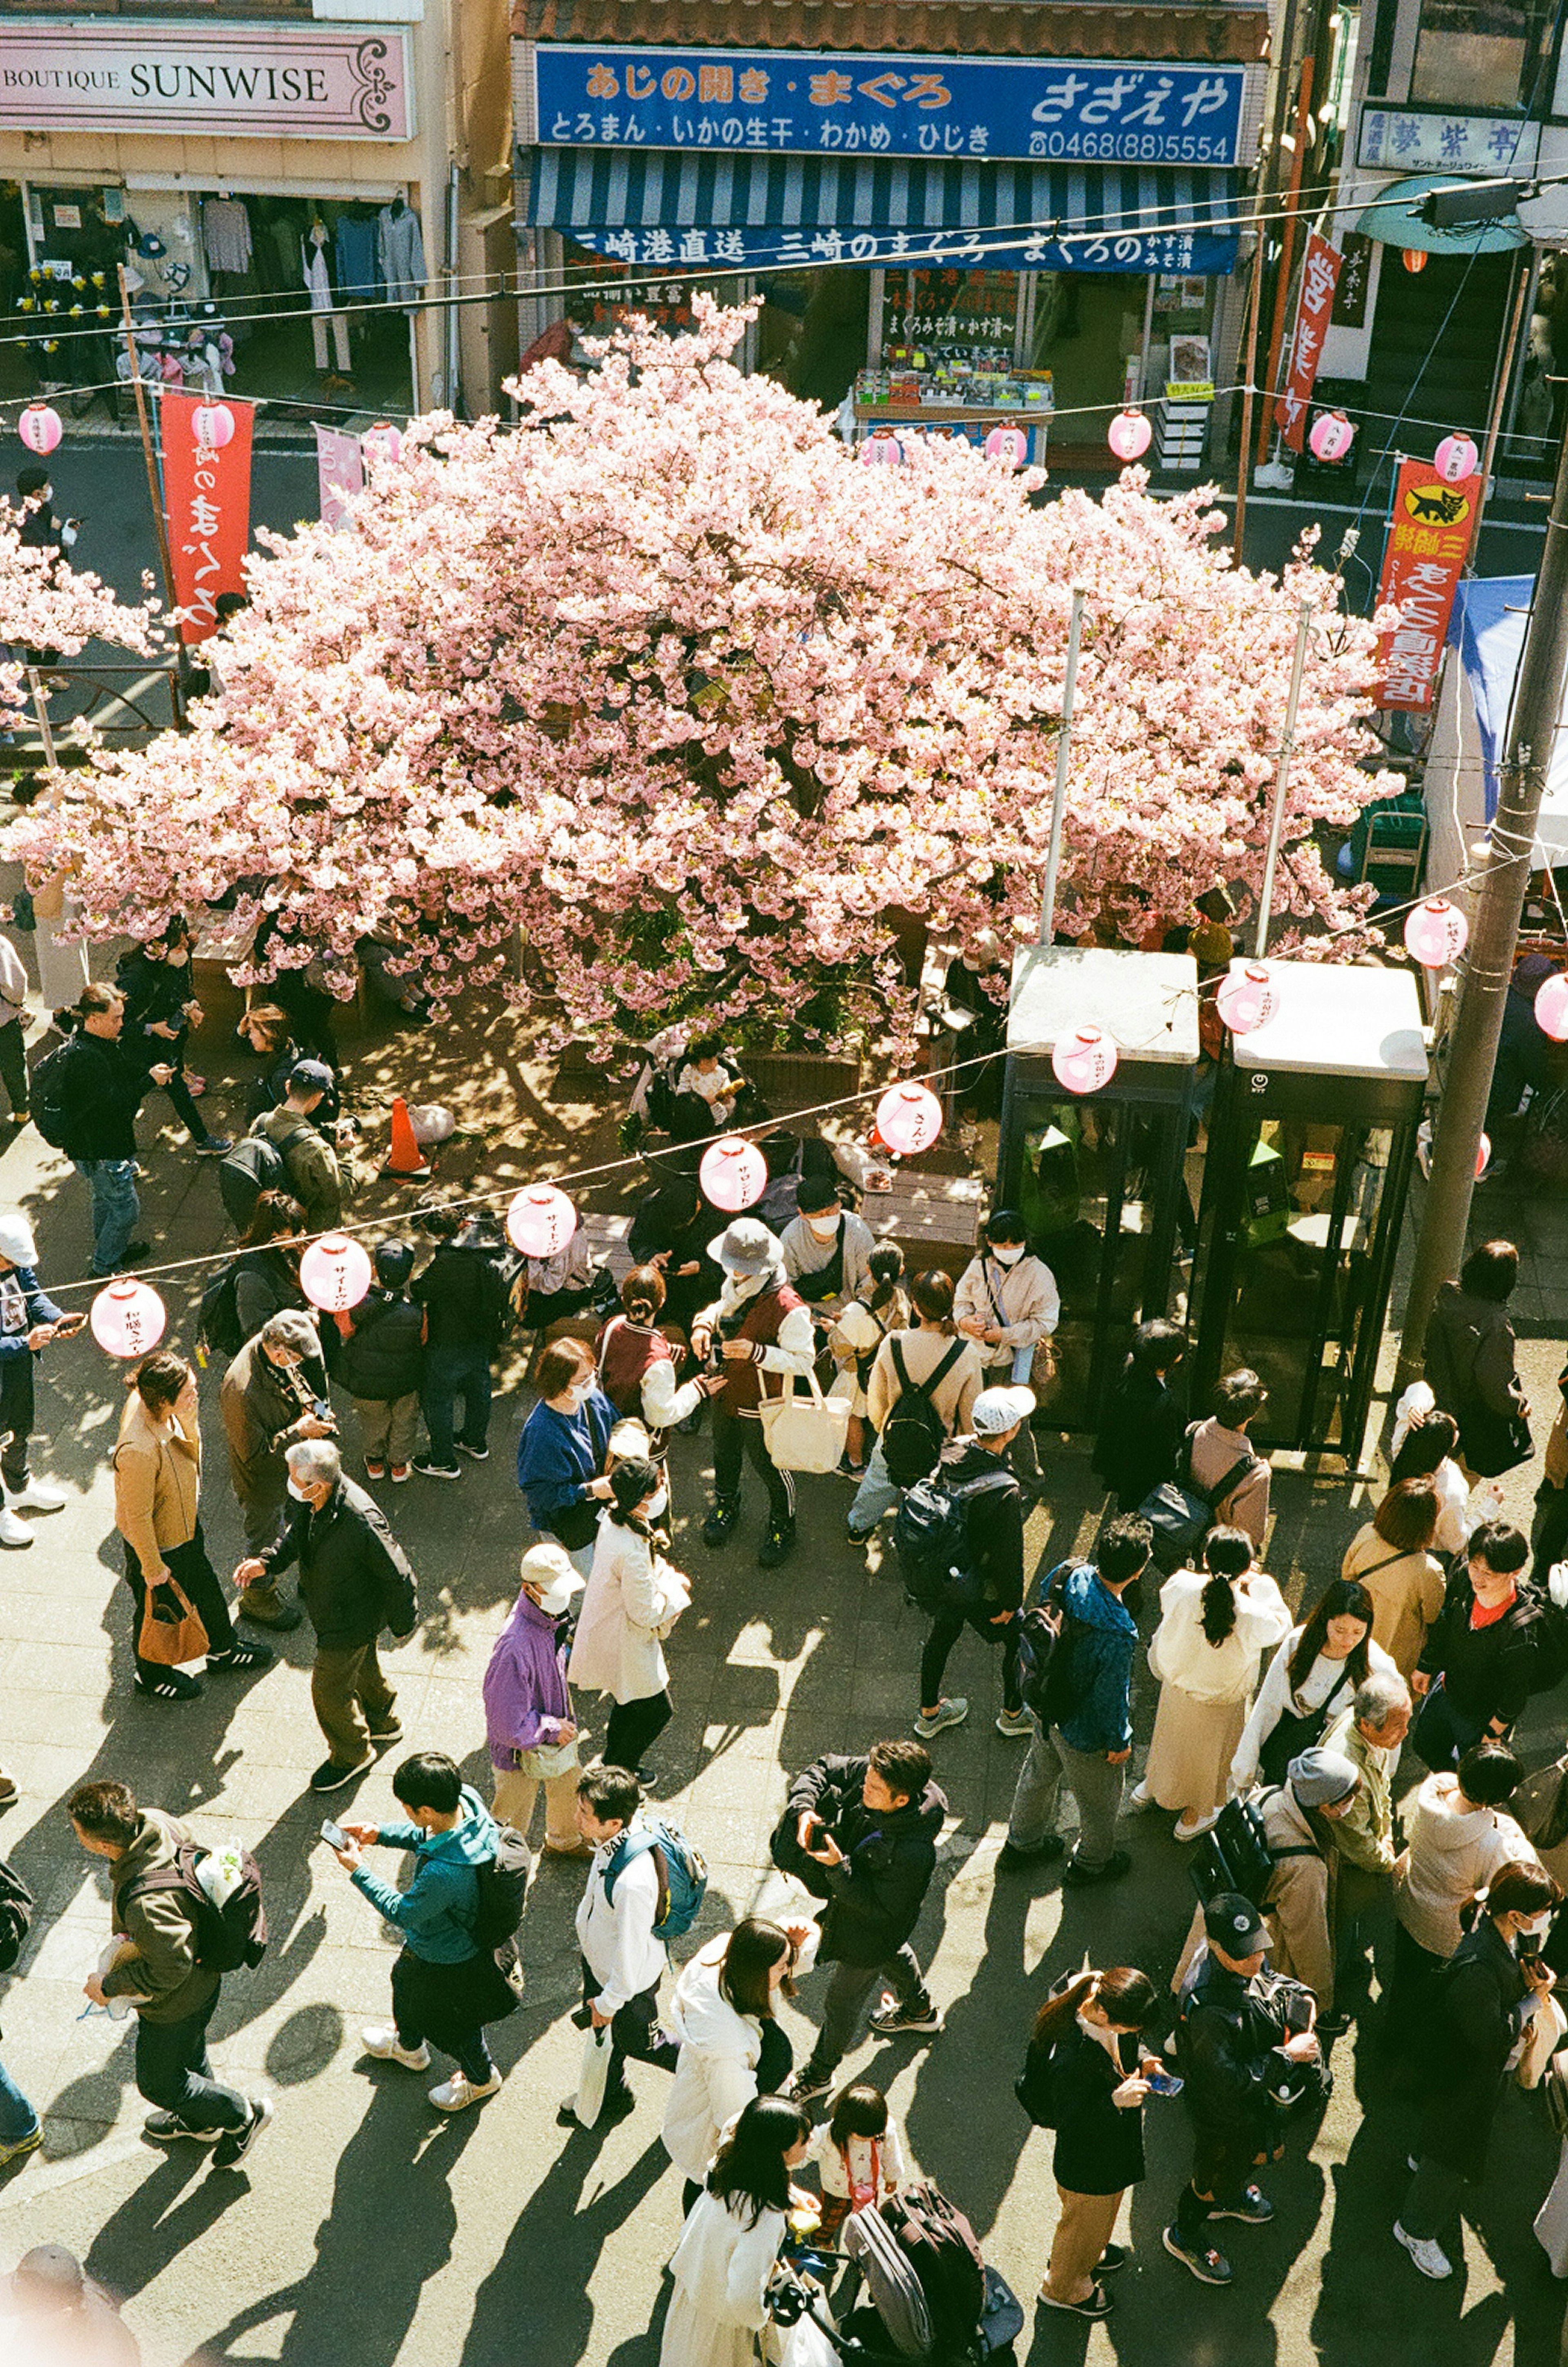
{"type": "Point", "coordinates": [672, 687]}
{"type": "Point", "coordinates": [46, 605]}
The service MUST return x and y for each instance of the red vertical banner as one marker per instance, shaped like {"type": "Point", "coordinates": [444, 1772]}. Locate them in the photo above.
{"type": "Point", "coordinates": [206, 493]}
{"type": "Point", "coordinates": [1428, 542]}
{"type": "Point", "coordinates": [1320, 277]}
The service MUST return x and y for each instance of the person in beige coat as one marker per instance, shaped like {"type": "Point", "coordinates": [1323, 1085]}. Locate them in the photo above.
{"type": "Point", "coordinates": [1457, 1837]}
{"type": "Point", "coordinates": [634, 1598]}
{"type": "Point", "coordinates": [1215, 1625]}
{"type": "Point", "coordinates": [157, 1479]}
{"type": "Point", "coordinates": [923, 1351]}
{"type": "Point", "coordinates": [1297, 1905]}
{"type": "Point", "coordinates": [1221, 1442]}
{"type": "Point", "coordinates": [1391, 1557]}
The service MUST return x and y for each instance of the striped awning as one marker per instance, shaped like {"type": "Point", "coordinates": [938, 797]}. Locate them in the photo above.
{"type": "Point", "coordinates": [668, 207]}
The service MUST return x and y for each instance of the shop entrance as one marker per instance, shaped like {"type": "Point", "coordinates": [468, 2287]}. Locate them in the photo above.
{"type": "Point", "coordinates": [1088, 331]}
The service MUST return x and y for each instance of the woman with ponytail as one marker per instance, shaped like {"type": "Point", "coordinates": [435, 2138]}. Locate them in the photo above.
{"type": "Point", "coordinates": [1086, 2076]}
{"type": "Point", "coordinates": [1215, 1625]}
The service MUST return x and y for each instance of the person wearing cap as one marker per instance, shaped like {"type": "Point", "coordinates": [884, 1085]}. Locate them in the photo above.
{"type": "Point", "coordinates": [762, 1330]}
{"type": "Point", "coordinates": [530, 1724]}
{"type": "Point", "coordinates": [383, 1364]}
{"type": "Point", "coordinates": [30, 1322]}
{"type": "Point", "coordinates": [1299, 1818]}
{"type": "Point", "coordinates": [53, 2315]}
{"type": "Point", "coordinates": [1006, 1300]}
{"type": "Point", "coordinates": [826, 1248]}
{"type": "Point", "coordinates": [993, 1524]}
{"type": "Point", "coordinates": [634, 1599]}
{"type": "Point", "coordinates": [274, 1392]}
{"type": "Point", "coordinates": [315, 1177]}
{"type": "Point", "coordinates": [1243, 2070]}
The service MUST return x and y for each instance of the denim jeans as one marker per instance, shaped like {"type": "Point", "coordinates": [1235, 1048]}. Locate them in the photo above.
{"type": "Point", "coordinates": [116, 1208]}
{"type": "Point", "coordinates": [18, 2118]}
{"type": "Point", "coordinates": [1022, 1366]}
{"type": "Point", "coordinates": [451, 1374]}
{"type": "Point", "coordinates": [173, 2071]}
{"type": "Point", "coordinates": [877, 1494]}
{"type": "Point", "coordinates": [1442, 1734]}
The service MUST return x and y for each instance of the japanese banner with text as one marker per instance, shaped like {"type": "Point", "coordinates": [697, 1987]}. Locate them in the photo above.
{"type": "Point", "coordinates": [1428, 537]}
{"type": "Point", "coordinates": [1320, 277]}
{"type": "Point", "coordinates": [340, 471]}
{"type": "Point", "coordinates": [207, 497]}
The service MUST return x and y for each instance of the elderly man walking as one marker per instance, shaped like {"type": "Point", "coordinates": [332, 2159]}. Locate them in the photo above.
{"type": "Point", "coordinates": [274, 1393]}
{"type": "Point", "coordinates": [355, 1581]}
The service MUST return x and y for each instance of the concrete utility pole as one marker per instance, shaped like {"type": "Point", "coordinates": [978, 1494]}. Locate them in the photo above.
{"type": "Point", "coordinates": [1478, 1021]}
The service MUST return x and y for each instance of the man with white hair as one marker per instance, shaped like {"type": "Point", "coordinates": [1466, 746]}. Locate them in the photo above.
{"type": "Point", "coordinates": [1368, 1737]}
{"type": "Point", "coordinates": [355, 1581]}
{"type": "Point", "coordinates": [28, 1322]}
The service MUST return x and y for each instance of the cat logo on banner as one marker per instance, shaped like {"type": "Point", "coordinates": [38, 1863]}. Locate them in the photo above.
{"type": "Point", "coordinates": [1428, 542]}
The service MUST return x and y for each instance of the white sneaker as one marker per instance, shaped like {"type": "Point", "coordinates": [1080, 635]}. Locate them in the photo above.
{"type": "Point", "coordinates": [1136, 1801]}
{"type": "Point", "coordinates": [1428, 2257]}
{"type": "Point", "coordinates": [38, 1496]}
{"type": "Point", "coordinates": [454, 2093]}
{"type": "Point", "coordinates": [382, 2043]}
{"type": "Point", "coordinates": [14, 1532]}
{"type": "Point", "coordinates": [1182, 1832]}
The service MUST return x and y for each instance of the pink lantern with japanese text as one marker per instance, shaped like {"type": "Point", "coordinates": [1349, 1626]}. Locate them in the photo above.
{"type": "Point", "coordinates": [540, 1221]}
{"type": "Point", "coordinates": [127, 1318]}
{"type": "Point", "coordinates": [734, 1173]}
{"type": "Point", "coordinates": [1084, 1060]}
{"type": "Point", "coordinates": [382, 442]}
{"type": "Point", "coordinates": [1436, 932]}
{"type": "Point", "coordinates": [214, 426]}
{"type": "Point", "coordinates": [1552, 1008]}
{"type": "Point", "coordinates": [1331, 437]}
{"type": "Point", "coordinates": [1482, 1156]}
{"type": "Point", "coordinates": [334, 1273]}
{"type": "Point", "coordinates": [1246, 998]}
{"type": "Point", "coordinates": [1129, 434]}
{"type": "Point", "coordinates": [40, 428]}
{"type": "Point", "coordinates": [909, 1119]}
{"type": "Point", "coordinates": [1455, 459]}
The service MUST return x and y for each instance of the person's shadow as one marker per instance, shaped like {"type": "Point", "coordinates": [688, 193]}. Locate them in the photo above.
{"type": "Point", "coordinates": [520, 2314]}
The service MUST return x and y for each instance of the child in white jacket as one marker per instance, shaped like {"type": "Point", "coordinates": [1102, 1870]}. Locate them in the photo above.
{"type": "Point", "coordinates": [859, 2155]}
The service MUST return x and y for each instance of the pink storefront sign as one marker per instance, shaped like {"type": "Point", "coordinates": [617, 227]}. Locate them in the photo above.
{"type": "Point", "coordinates": [296, 81]}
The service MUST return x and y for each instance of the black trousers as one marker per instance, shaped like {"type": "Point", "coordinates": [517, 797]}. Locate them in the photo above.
{"type": "Point", "coordinates": [634, 2030]}
{"type": "Point", "coordinates": [191, 1569]}
{"type": "Point", "coordinates": [14, 1065]}
{"type": "Point", "coordinates": [16, 1409]}
{"type": "Point", "coordinates": [634, 1727]}
{"type": "Point", "coordinates": [946, 1630]}
{"type": "Point", "coordinates": [1222, 2169]}
{"type": "Point", "coordinates": [738, 1437]}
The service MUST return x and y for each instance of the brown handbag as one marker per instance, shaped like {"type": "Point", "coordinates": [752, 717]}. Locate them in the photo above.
{"type": "Point", "coordinates": [172, 1631]}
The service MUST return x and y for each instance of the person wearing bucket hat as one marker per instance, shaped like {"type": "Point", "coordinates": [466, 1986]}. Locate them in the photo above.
{"type": "Point", "coordinates": [530, 1724]}
{"type": "Point", "coordinates": [759, 1330]}
{"type": "Point", "coordinates": [28, 1323]}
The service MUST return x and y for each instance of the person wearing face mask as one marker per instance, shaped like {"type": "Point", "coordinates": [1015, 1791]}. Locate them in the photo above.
{"type": "Point", "coordinates": [1086, 2076]}
{"type": "Point", "coordinates": [274, 1393]}
{"type": "Point", "coordinates": [634, 1599]}
{"type": "Point", "coordinates": [1006, 1300]}
{"type": "Point", "coordinates": [529, 1721]}
{"type": "Point", "coordinates": [826, 1248]}
{"type": "Point", "coordinates": [763, 1331]}
{"type": "Point", "coordinates": [160, 1012]}
{"type": "Point", "coordinates": [1480, 2004]}
{"type": "Point", "coordinates": [561, 1451]}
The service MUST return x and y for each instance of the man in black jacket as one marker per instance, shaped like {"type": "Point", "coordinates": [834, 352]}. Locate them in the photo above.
{"type": "Point", "coordinates": [861, 1833]}
{"type": "Point", "coordinates": [993, 1529]}
{"type": "Point", "coordinates": [354, 1579]}
{"type": "Point", "coordinates": [463, 1293]}
{"type": "Point", "coordinates": [1481, 1660]}
{"type": "Point", "coordinates": [93, 1101]}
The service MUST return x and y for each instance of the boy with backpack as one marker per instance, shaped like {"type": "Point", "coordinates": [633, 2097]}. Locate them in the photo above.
{"type": "Point", "coordinates": [621, 1920]}
{"type": "Point", "coordinates": [920, 1393]}
{"type": "Point", "coordinates": [960, 1539]}
{"type": "Point", "coordinates": [179, 1941]}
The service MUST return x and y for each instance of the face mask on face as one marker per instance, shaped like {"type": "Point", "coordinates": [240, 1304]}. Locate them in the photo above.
{"type": "Point", "coordinates": [298, 1493]}
{"type": "Point", "coordinates": [1529, 1943]}
{"type": "Point", "coordinates": [825, 1224]}
{"type": "Point", "coordinates": [655, 1505]}
{"type": "Point", "coordinates": [178, 955]}
{"type": "Point", "coordinates": [1009, 1256]}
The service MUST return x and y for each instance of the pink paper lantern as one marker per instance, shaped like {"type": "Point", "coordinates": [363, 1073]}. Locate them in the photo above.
{"type": "Point", "coordinates": [734, 1173]}
{"type": "Point", "coordinates": [214, 426]}
{"type": "Point", "coordinates": [1084, 1060]}
{"type": "Point", "coordinates": [1455, 459]}
{"type": "Point", "coordinates": [382, 442]}
{"type": "Point", "coordinates": [1332, 436]}
{"type": "Point", "coordinates": [334, 1273]}
{"type": "Point", "coordinates": [1436, 932]}
{"type": "Point", "coordinates": [1552, 1008]}
{"type": "Point", "coordinates": [127, 1318]}
{"type": "Point", "coordinates": [909, 1119]}
{"type": "Point", "coordinates": [40, 428]}
{"type": "Point", "coordinates": [1129, 434]}
{"type": "Point", "coordinates": [540, 1221]}
{"type": "Point", "coordinates": [1482, 1156]}
{"type": "Point", "coordinates": [1246, 998]}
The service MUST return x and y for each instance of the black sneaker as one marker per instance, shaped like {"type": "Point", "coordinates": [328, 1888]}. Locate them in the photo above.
{"type": "Point", "coordinates": [429, 1470]}
{"type": "Point", "coordinates": [330, 1777]}
{"type": "Point", "coordinates": [716, 1528]}
{"type": "Point", "coordinates": [892, 2019]}
{"type": "Point", "coordinates": [167, 2128]}
{"type": "Point", "coordinates": [216, 1146]}
{"type": "Point", "coordinates": [243, 1655]}
{"type": "Point", "coordinates": [287, 1617]}
{"type": "Point", "coordinates": [807, 2086]}
{"type": "Point", "coordinates": [235, 2143]}
{"type": "Point", "coordinates": [1080, 1877]}
{"type": "Point", "coordinates": [1096, 2303]}
{"type": "Point", "coordinates": [474, 1453]}
{"type": "Point", "coordinates": [381, 1735]}
{"type": "Point", "coordinates": [777, 1546]}
{"type": "Point", "coordinates": [134, 1251]}
{"type": "Point", "coordinates": [1254, 2210]}
{"type": "Point", "coordinates": [1206, 2262]}
{"type": "Point", "coordinates": [168, 1685]}
{"type": "Point", "coordinates": [1114, 2257]}
{"type": "Point", "coordinates": [1009, 1855]}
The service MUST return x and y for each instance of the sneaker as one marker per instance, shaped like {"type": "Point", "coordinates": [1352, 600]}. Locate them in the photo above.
{"type": "Point", "coordinates": [37, 1496]}
{"type": "Point", "coordinates": [891, 2019]}
{"type": "Point", "coordinates": [857, 1537]}
{"type": "Point", "coordinates": [777, 1546]}
{"type": "Point", "coordinates": [454, 2094]}
{"type": "Point", "coordinates": [1016, 1723]}
{"type": "Point", "coordinates": [1136, 1801]}
{"type": "Point", "coordinates": [374, 1470]}
{"type": "Point", "coordinates": [243, 1655]}
{"type": "Point", "coordinates": [216, 1146]}
{"type": "Point", "coordinates": [1207, 2262]}
{"type": "Point", "coordinates": [1254, 2210]}
{"type": "Point", "coordinates": [134, 1251]}
{"type": "Point", "coordinates": [807, 2086]}
{"type": "Point", "coordinates": [14, 1532]}
{"type": "Point", "coordinates": [168, 1685]}
{"type": "Point", "coordinates": [429, 1470]}
{"type": "Point", "coordinates": [381, 2041]}
{"type": "Point", "coordinates": [330, 1777]}
{"type": "Point", "coordinates": [720, 1521]}
{"type": "Point", "coordinates": [288, 1615]}
{"type": "Point", "coordinates": [7, 1790]}
{"type": "Point", "coordinates": [383, 1735]}
{"type": "Point", "coordinates": [167, 2128]}
{"type": "Point", "coordinates": [400, 1471]}
{"type": "Point", "coordinates": [1080, 1876]}
{"type": "Point", "coordinates": [14, 2152]}
{"type": "Point", "coordinates": [1114, 2257]}
{"type": "Point", "coordinates": [947, 1712]}
{"type": "Point", "coordinates": [1009, 1854]}
{"type": "Point", "coordinates": [1429, 2257]}
{"type": "Point", "coordinates": [235, 2143]}
{"type": "Point", "coordinates": [474, 1453]}
{"type": "Point", "coordinates": [1096, 2303]}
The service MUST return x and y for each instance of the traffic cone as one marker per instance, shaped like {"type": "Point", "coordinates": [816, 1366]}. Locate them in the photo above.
{"type": "Point", "coordinates": [404, 1157]}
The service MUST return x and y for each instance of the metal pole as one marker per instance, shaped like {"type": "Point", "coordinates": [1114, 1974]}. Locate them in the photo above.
{"type": "Point", "coordinates": [1248, 389]}
{"type": "Point", "coordinates": [1495, 424]}
{"type": "Point", "coordinates": [62, 969]}
{"type": "Point", "coordinates": [1495, 936]}
{"type": "Point", "coordinates": [1063, 746]}
{"type": "Point", "coordinates": [156, 495]}
{"type": "Point", "coordinates": [1282, 784]}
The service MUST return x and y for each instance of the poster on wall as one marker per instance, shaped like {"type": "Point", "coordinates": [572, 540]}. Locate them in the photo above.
{"type": "Point", "coordinates": [1428, 541]}
{"type": "Point", "coordinates": [207, 495]}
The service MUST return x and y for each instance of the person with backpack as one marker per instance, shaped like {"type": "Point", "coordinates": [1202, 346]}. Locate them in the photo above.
{"type": "Point", "coordinates": [1082, 1726]}
{"type": "Point", "coordinates": [920, 1393]}
{"type": "Point", "coordinates": [856, 1335]}
{"type": "Point", "coordinates": [1139, 1442]}
{"type": "Point", "coordinates": [1391, 1556]}
{"type": "Point", "coordinates": [1299, 1819]}
{"type": "Point", "coordinates": [724, 2018]}
{"type": "Point", "coordinates": [446, 1986]}
{"type": "Point", "coordinates": [310, 1162]}
{"type": "Point", "coordinates": [724, 2263]}
{"type": "Point", "coordinates": [1006, 1300]}
{"type": "Point", "coordinates": [266, 1273]}
{"type": "Point", "coordinates": [637, 1362]}
{"type": "Point", "coordinates": [382, 1363]}
{"type": "Point", "coordinates": [826, 1247]}
{"type": "Point", "coordinates": [274, 1392]}
{"type": "Point", "coordinates": [762, 1330]}
{"type": "Point", "coordinates": [21, 2127]}
{"type": "Point", "coordinates": [163, 1925]}
{"type": "Point", "coordinates": [1086, 2076]}
{"type": "Point", "coordinates": [1215, 1625]}
{"type": "Point", "coordinates": [464, 1295]}
{"type": "Point", "coordinates": [1309, 1683]}
{"type": "Point", "coordinates": [633, 1600]}
{"type": "Point", "coordinates": [85, 1095]}
{"type": "Point", "coordinates": [157, 1481]}
{"type": "Point", "coordinates": [968, 1569]}
{"type": "Point", "coordinates": [30, 1322]}
{"type": "Point", "coordinates": [1224, 1465]}
{"type": "Point", "coordinates": [1492, 1644]}
{"type": "Point", "coordinates": [160, 1012]}
{"type": "Point", "coordinates": [623, 1959]}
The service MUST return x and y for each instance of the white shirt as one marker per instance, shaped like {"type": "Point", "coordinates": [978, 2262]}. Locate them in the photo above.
{"type": "Point", "coordinates": [13, 983]}
{"type": "Point", "coordinates": [617, 1938]}
{"type": "Point", "coordinates": [1322, 1681]}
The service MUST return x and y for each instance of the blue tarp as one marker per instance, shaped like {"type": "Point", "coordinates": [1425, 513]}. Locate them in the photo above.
{"type": "Point", "coordinates": [1487, 628]}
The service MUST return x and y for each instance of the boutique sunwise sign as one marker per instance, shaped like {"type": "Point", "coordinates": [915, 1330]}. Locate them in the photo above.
{"type": "Point", "coordinates": [297, 81]}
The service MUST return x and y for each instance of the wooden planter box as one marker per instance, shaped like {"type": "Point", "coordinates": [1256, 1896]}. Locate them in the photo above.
{"type": "Point", "coordinates": [790, 1081]}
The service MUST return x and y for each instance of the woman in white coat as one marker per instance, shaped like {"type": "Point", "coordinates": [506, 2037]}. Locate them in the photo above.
{"type": "Point", "coordinates": [722, 2266]}
{"type": "Point", "coordinates": [723, 2016]}
{"type": "Point", "coordinates": [1215, 1625]}
{"type": "Point", "coordinates": [633, 1600]}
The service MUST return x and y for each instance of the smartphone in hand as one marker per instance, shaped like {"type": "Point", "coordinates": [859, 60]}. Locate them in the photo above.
{"type": "Point", "coordinates": [333, 1834]}
{"type": "Point", "coordinates": [1164, 2083]}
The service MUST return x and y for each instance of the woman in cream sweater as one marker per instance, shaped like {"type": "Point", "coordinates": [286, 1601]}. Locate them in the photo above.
{"type": "Point", "coordinates": [1215, 1625]}
{"type": "Point", "coordinates": [634, 1598]}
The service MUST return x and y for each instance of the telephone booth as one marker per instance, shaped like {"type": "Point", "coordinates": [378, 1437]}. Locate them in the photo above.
{"type": "Point", "coordinates": [1305, 1186]}
{"type": "Point", "coordinates": [1099, 1177]}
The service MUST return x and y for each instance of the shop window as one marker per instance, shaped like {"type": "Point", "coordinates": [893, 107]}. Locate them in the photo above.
{"type": "Point", "coordinates": [1475, 54]}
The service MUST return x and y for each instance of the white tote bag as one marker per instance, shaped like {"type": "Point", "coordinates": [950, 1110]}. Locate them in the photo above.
{"type": "Point", "coordinates": [805, 1433]}
{"type": "Point", "coordinates": [593, 2077]}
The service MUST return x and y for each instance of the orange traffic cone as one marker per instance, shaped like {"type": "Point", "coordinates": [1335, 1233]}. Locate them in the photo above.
{"type": "Point", "coordinates": [404, 1157]}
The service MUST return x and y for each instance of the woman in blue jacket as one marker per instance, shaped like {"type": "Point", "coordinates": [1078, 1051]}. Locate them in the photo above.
{"type": "Point", "coordinates": [560, 1454]}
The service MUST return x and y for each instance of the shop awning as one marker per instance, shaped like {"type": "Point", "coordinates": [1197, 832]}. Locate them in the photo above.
{"type": "Point", "coordinates": [670, 208]}
{"type": "Point", "coordinates": [1390, 219]}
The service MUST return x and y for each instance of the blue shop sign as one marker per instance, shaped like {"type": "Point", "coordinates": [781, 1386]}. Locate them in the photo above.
{"type": "Point", "coordinates": [761, 248]}
{"type": "Point", "coordinates": [1076, 110]}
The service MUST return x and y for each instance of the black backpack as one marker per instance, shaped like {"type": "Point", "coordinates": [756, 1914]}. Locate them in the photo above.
{"type": "Point", "coordinates": [222, 1938]}
{"type": "Point", "coordinates": [1551, 1663]}
{"type": "Point", "coordinates": [46, 1093]}
{"type": "Point", "coordinates": [1236, 1853]}
{"type": "Point", "coordinates": [913, 1436]}
{"type": "Point", "coordinates": [502, 1891]}
{"type": "Point", "coordinates": [931, 1537]}
{"type": "Point", "coordinates": [218, 1317]}
{"type": "Point", "coordinates": [252, 1167]}
{"type": "Point", "coordinates": [15, 1915]}
{"type": "Point", "coordinates": [1044, 1644]}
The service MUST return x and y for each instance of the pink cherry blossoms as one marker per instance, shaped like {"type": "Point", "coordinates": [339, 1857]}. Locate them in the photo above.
{"type": "Point", "coordinates": [45, 605]}
{"type": "Point", "coordinates": [673, 690]}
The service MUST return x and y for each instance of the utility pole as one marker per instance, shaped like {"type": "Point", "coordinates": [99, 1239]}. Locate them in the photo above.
{"type": "Point", "coordinates": [1478, 1021]}
{"type": "Point", "coordinates": [154, 492]}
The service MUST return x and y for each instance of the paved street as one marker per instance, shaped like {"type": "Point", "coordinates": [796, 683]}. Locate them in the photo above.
{"type": "Point", "coordinates": [367, 2227]}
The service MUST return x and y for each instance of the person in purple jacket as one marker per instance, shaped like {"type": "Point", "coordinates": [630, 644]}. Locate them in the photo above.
{"type": "Point", "coordinates": [529, 1721]}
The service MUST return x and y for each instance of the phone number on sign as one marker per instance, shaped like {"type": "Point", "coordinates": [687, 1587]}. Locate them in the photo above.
{"type": "Point", "coordinates": [1121, 147]}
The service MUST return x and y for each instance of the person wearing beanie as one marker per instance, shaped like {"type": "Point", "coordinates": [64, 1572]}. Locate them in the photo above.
{"type": "Point", "coordinates": [1299, 1816]}
{"type": "Point", "coordinates": [28, 1323]}
{"type": "Point", "coordinates": [826, 1248]}
{"type": "Point", "coordinates": [530, 1723]}
{"type": "Point", "coordinates": [383, 1364]}
{"type": "Point", "coordinates": [634, 1599]}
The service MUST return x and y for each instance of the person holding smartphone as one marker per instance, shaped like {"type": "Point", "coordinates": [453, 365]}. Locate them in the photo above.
{"type": "Point", "coordinates": [1087, 2075]}
{"type": "Point", "coordinates": [30, 1322]}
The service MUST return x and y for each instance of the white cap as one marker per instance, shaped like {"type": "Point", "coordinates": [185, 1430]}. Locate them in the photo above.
{"type": "Point", "coordinates": [998, 1410]}
{"type": "Point", "coordinates": [17, 1240]}
{"type": "Point", "coordinates": [548, 1567]}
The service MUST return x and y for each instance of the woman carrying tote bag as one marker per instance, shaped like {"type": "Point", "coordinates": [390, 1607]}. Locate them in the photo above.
{"type": "Point", "coordinates": [1215, 1625]}
{"type": "Point", "coordinates": [1312, 1680]}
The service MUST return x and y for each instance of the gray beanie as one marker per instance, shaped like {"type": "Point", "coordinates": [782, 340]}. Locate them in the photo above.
{"type": "Point", "coordinates": [1321, 1779]}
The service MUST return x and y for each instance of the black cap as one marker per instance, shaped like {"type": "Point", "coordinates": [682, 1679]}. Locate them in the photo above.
{"type": "Point", "coordinates": [1234, 1924]}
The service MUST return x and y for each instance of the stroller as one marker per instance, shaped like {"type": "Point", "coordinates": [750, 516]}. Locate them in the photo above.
{"type": "Point", "coordinates": [930, 2300]}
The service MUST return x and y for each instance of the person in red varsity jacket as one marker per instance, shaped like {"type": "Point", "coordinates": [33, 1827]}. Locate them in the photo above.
{"type": "Point", "coordinates": [757, 1326]}
{"type": "Point", "coordinates": [636, 1363]}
